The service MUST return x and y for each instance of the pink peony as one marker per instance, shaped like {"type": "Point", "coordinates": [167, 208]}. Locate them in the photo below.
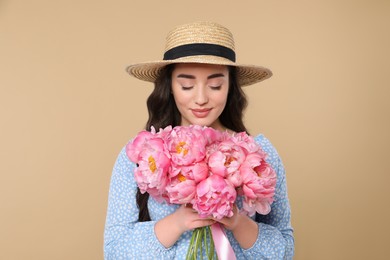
{"type": "Point", "coordinates": [226, 161]}
{"type": "Point", "coordinates": [183, 181]}
{"type": "Point", "coordinates": [212, 135]}
{"type": "Point", "coordinates": [163, 132]}
{"type": "Point", "coordinates": [186, 145]}
{"type": "Point", "coordinates": [204, 167]}
{"type": "Point", "coordinates": [215, 197]}
{"type": "Point", "coordinates": [134, 148]}
{"type": "Point", "coordinates": [153, 164]}
{"type": "Point", "coordinates": [181, 190]}
{"type": "Point", "coordinates": [197, 171]}
{"type": "Point", "coordinates": [246, 142]}
{"type": "Point", "coordinates": [258, 187]}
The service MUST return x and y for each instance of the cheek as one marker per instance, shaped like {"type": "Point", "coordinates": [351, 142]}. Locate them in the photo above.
{"type": "Point", "coordinates": [180, 98]}
{"type": "Point", "coordinates": [177, 96]}
{"type": "Point", "coordinates": [222, 98]}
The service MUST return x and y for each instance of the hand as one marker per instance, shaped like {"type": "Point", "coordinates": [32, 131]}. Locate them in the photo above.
{"type": "Point", "coordinates": [244, 229]}
{"type": "Point", "coordinates": [187, 218]}
{"type": "Point", "coordinates": [232, 222]}
{"type": "Point", "coordinates": [169, 229]}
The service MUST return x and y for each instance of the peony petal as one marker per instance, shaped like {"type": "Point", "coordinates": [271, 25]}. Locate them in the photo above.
{"type": "Point", "coordinates": [263, 208]}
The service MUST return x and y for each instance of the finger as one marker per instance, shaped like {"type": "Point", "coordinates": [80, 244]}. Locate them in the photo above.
{"type": "Point", "coordinates": [203, 223]}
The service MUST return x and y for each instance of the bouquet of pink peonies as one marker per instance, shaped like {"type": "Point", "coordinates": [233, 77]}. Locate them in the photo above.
{"type": "Point", "coordinates": [205, 168]}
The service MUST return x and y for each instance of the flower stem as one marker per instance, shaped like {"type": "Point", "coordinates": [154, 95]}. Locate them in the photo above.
{"type": "Point", "coordinates": [201, 240]}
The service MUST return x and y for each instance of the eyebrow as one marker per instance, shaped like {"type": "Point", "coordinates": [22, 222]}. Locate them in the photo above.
{"type": "Point", "coordinates": [216, 75]}
{"type": "Point", "coordinates": [212, 76]}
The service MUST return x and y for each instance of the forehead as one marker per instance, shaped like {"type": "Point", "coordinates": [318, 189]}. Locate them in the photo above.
{"type": "Point", "coordinates": [196, 68]}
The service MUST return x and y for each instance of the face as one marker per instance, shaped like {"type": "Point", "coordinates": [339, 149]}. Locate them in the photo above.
{"type": "Point", "coordinates": [200, 92]}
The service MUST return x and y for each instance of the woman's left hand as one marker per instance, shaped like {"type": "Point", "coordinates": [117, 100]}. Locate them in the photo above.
{"type": "Point", "coordinates": [244, 229]}
{"type": "Point", "coordinates": [232, 222]}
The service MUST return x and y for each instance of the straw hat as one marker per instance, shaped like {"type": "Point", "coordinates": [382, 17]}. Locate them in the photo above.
{"type": "Point", "coordinates": [200, 42]}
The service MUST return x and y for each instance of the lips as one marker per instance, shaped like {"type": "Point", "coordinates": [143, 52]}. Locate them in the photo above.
{"type": "Point", "coordinates": [201, 113]}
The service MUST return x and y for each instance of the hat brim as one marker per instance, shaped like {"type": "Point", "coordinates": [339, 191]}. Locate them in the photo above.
{"type": "Point", "coordinates": [246, 74]}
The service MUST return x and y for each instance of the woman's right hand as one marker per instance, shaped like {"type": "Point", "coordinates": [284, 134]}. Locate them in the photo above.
{"type": "Point", "coordinates": [187, 218]}
{"type": "Point", "coordinates": [169, 229]}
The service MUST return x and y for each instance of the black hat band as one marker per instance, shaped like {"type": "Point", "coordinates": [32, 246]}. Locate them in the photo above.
{"type": "Point", "coordinates": [194, 49]}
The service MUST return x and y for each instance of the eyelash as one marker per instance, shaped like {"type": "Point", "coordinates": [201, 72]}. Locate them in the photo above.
{"type": "Point", "coordinates": [212, 87]}
{"type": "Point", "coordinates": [216, 87]}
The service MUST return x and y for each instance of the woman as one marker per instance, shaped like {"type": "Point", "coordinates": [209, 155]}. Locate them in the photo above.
{"type": "Point", "coordinates": [197, 83]}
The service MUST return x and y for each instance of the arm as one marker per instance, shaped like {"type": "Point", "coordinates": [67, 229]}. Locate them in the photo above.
{"type": "Point", "coordinates": [243, 228]}
{"type": "Point", "coordinates": [270, 237]}
{"type": "Point", "coordinates": [275, 235]}
{"type": "Point", "coordinates": [124, 236]}
{"type": "Point", "coordinates": [127, 238]}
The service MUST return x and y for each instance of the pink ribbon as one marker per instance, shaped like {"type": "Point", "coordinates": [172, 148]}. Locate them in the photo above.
{"type": "Point", "coordinates": [222, 245]}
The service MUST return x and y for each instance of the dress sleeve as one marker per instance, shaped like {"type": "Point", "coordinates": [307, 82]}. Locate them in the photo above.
{"type": "Point", "coordinates": [124, 236]}
{"type": "Point", "coordinates": [275, 240]}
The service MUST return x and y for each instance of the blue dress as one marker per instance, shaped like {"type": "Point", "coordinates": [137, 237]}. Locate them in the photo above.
{"type": "Point", "coordinates": [126, 238]}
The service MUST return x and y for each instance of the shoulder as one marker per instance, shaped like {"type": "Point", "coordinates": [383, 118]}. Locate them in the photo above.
{"type": "Point", "coordinates": [122, 156]}
{"type": "Point", "coordinates": [272, 154]}
{"type": "Point", "coordinates": [265, 144]}
{"type": "Point", "coordinates": [123, 163]}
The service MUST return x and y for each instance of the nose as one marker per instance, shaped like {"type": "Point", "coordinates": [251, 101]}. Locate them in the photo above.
{"type": "Point", "coordinates": [201, 97]}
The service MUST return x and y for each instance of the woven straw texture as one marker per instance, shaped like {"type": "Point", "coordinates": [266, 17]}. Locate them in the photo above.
{"type": "Point", "coordinates": [200, 32]}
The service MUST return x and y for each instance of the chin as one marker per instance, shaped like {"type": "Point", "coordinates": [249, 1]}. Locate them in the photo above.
{"type": "Point", "coordinates": [204, 121]}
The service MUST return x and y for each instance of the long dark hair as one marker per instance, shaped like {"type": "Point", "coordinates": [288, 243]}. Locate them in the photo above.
{"type": "Point", "coordinates": [163, 112]}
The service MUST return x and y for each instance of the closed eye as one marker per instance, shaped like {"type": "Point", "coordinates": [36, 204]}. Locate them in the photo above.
{"type": "Point", "coordinates": [216, 87]}
{"type": "Point", "coordinates": [186, 87]}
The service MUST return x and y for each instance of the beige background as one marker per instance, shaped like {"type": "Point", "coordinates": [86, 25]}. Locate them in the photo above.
{"type": "Point", "coordinates": [68, 107]}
